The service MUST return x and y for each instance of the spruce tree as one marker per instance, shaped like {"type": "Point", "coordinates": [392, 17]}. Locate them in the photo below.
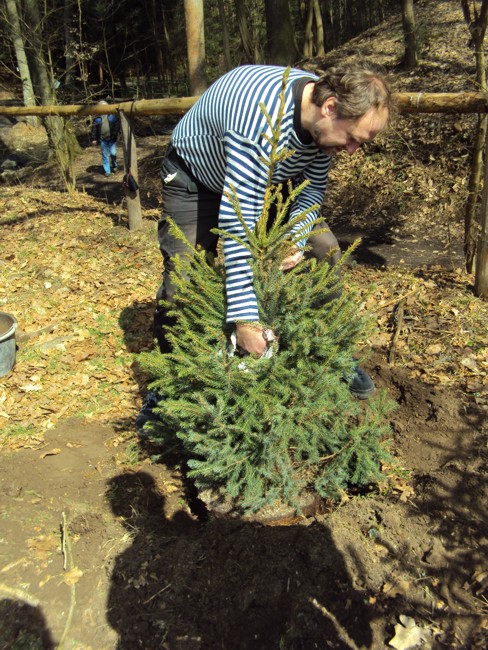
{"type": "Point", "coordinates": [262, 430]}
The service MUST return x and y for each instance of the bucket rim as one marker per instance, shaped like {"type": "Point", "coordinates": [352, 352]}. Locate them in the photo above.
{"type": "Point", "coordinates": [11, 329]}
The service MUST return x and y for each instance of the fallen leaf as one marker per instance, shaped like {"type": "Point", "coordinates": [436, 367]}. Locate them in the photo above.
{"type": "Point", "coordinates": [53, 452]}
{"type": "Point", "coordinates": [71, 577]}
{"type": "Point", "coordinates": [435, 348]}
{"type": "Point", "coordinates": [408, 635]}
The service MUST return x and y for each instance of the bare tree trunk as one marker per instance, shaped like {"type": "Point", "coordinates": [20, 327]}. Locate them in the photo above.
{"type": "Point", "coordinates": [319, 28]}
{"type": "Point", "coordinates": [477, 24]}
{"type": "Point", "coordinates": [21, 56]}
{"type": "Point", "coordinates": [481, 273]}
{"type": "Point", "coordinates": [410, 35]}
{"type": "Point", "coordinates": [308, 41]}
{"type": "Point", "coordinates": [282, 48]}
{"type": "Point", "coordinates": [158, 50]}
{"type": "Point", "coordinates": [63, 143]}
{"type": "Point", "coordinates": [68, 43]}
{"type": "Point", "coordinates": [242, 24]}
{"type": "Point", "coordinates": [195, 40]}
{"type": "Point", "coordinates": [225, 36]}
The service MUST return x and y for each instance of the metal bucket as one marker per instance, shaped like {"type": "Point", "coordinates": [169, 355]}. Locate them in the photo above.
{"type": "Point", "coordinates": [8, 325]}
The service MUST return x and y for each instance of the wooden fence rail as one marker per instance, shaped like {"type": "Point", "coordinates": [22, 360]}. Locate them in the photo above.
{"type": "Point", "coordinates": [406, 102]}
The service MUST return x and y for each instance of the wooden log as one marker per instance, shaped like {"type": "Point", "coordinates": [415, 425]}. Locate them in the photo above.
{"type": "Point", "coordinates": [168, 106]}
{"type": "Point", "coordinates": [442, 102]}
{"type": "Point", "coordinates": [407, 103]}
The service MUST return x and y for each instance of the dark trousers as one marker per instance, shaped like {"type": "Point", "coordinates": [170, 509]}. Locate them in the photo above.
{"type": "Point", "coordinates": [195, 209]}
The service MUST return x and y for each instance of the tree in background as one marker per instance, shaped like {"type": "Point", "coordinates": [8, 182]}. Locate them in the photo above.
{"type": "Point", "coordinates": [281, 41]}
{"type": "Point", "coordinates": [314, 16]}
{"type": "Point", "coordinates": [195, 43]}
{"type": "Point", "coordinates": [410, 35]}
{"type": "Point", "coordinates": [32, 48]}
{"type": "Point", "coordinates": [21, 56]}
{"type": "Point", "coordinates": [476, 19]}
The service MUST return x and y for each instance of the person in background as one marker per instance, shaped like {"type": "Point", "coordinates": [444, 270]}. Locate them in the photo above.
{"type": "Point", "coordinates": [104, 131]}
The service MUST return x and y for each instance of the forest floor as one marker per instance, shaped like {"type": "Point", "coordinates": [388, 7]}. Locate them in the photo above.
{"type": "Point", "coordinates": [101, 548]}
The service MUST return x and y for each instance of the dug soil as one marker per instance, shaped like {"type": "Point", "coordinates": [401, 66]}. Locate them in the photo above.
{"type": "Point", "coordinates": [101, 547]}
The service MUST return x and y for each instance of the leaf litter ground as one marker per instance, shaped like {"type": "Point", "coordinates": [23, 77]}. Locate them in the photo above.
{"type": "Point", "coordinates": [101, 548]}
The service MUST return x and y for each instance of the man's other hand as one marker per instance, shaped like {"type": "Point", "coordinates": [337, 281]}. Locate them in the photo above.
{"type": "Point", "coordinates": [250, 338]}
{"type": "Point", "coordinates": [291, 260]}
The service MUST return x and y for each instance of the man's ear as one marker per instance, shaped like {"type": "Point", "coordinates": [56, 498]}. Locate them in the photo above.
{"type": "Point", "coordinates": [329, 106]}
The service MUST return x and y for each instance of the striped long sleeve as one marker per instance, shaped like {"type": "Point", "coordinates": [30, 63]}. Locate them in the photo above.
{"type": "Point", "coordinates": [221, 140]}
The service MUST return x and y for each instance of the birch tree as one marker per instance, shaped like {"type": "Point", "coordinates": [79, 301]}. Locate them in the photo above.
{"type": "Point", "coordinates": [21, 56]}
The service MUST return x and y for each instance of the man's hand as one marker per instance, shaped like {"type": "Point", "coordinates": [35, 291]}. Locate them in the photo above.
{"type": "Point", "coordinates": [251, 338]}
{"type": "Point", "coordinates": [94, 142]}
{"type": "Point", "coordinates": [292, 260]}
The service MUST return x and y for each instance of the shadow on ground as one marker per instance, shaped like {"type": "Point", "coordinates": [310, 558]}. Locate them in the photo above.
{"type": "Point", "coordinates": [224, 584]}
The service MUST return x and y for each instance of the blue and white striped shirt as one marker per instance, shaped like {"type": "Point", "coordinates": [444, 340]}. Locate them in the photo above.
{"type": "Point", "coordinates": [222, 141]}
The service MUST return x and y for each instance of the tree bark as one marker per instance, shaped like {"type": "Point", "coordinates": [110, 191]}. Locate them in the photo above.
{"type": "Point", "coordinates": [481, 271]}
{"type": "Point", "coordinates": [477, 24]}
{"type": "Point", "coordinates": [308, 40]}
{"type": "Point", "coordinates": [281, 43]}
{"type": "Point", "coordinates": [410, 35]}
{"type": "Point", "coordinates": [21, 56]}
{"type": "Point", "coordinates": [68, 43]}
{"type": "Point", "coordinates": [195, 40]}
{"type": "Point", "coordinates": [225, 36]}
{"type": "Point", "coordinates": [319, 28]}
{"type": "Point", "coordinates": [242, 24]}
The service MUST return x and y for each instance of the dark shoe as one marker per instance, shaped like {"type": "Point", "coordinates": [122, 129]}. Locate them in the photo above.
{"type": "Point", "coordinates": [114, 168]}
{"type": "Point", "coordinates": [361, 385]}
{"type": "Point", "coordinates": [146, 414]}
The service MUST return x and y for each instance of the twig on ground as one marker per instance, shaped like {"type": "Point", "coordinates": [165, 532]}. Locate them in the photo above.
{"type": "Point", "coordinates": [68, 562]}
{"type": "Point", "coordinates": [398, 328]}
{"type": "Point", "coordinates": [397, 300]}
{"type": "Point", "coordinates": [343, 635]}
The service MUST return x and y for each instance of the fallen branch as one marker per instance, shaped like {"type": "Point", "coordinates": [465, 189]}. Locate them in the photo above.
{"type": "Point", "coordinates": [343, 635]}
{"type": "Point", "coordinates": [398, 328]}
{"type": "Point", "coordinates": [67, 563]}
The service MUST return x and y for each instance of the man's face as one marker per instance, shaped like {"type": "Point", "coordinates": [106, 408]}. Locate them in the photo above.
{"type": "Point", "coordinates": [332, 134]}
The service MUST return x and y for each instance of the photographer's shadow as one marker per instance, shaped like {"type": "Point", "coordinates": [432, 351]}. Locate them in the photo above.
{"type": "Point", "coordinates": [22, 625]}
{"type": "Point", "coordinates": [188, 584]}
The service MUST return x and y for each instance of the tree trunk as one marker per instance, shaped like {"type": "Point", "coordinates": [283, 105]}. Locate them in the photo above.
{"type": "Point", "coordinates": [242, 24]}
{"type": "Point", "coordinates": [410, 34]}
{"type": "Point", "coordinates": [282, 48]}
{"type": "Point", "coordinates": [481, 273]}
{"type": "Point", "coordinates": [63, 143]}
{"type": "Point", "coordinates": [477, 27]}
{"type": "Point", "coordinates": [225, 36]}
{"type": "Point", "coordinates": [21, 56]}
{"type": "Point", "coordinates": [195, 41]}
{"type": "Point", "coordinates": [68, 43]}
{"type": "Point", "coordinates": [308, 40]}
{"type": "Point", "coordinates": [319, 28]}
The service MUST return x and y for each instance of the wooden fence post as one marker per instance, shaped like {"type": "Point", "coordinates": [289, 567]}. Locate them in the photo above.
{"type": "Point", "coordinates": [481, 273]}
{"type": "Point", "coordinates": [130, 157]}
